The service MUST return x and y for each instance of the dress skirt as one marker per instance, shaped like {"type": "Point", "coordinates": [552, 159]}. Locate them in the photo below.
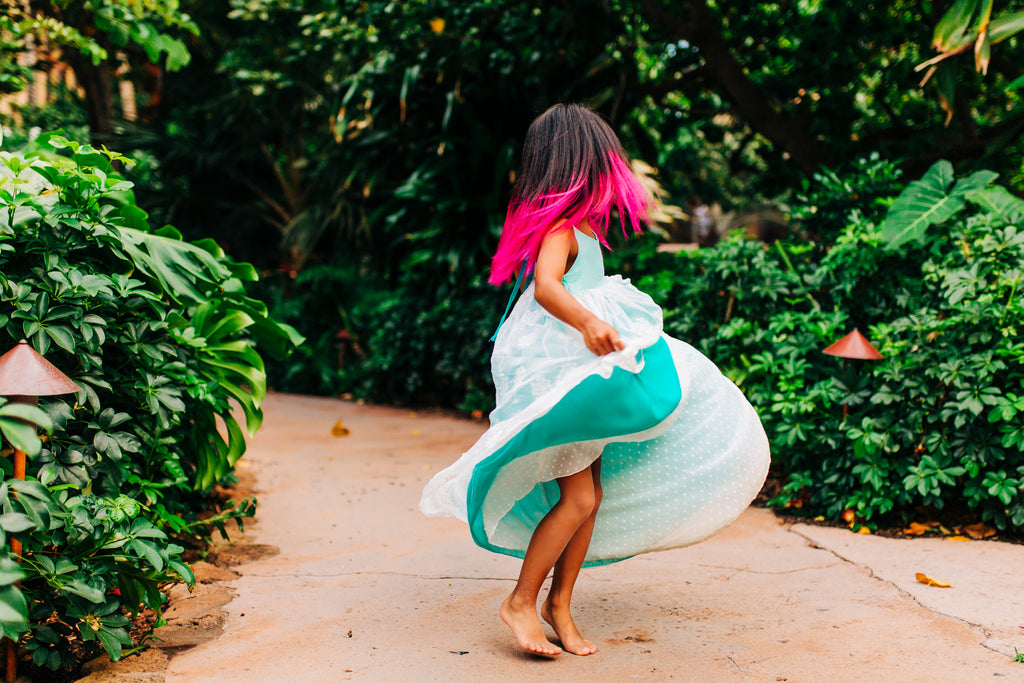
{"type": "Point", "coordinates": [682, 451]}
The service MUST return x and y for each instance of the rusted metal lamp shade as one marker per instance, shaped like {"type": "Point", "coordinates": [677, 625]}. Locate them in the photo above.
{"type": "Point", "coordinates": [854, 345]}
{"type": "Point", "coordinates": [23, 372]}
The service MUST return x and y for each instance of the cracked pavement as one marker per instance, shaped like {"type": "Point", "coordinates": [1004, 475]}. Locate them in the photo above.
{"type": "Point", "coordinates": [366, 588]}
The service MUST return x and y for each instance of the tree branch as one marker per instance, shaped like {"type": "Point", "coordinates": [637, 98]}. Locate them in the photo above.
{"type": "Point", "coordinates": [969, 149]}
{"type": "Point", "coordinates": [691, 75]}
{"type": "Point", "coordinates": [703, 31]}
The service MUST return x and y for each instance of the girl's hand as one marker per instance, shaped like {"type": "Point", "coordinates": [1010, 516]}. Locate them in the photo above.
{"type": "Point", "coordinates": [601, 338]}
{"type": "Point", "coordinates": [556, 249]}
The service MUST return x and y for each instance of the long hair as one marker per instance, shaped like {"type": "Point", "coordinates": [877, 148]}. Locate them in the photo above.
{"type": "Point", "coordinates": [574, 168]}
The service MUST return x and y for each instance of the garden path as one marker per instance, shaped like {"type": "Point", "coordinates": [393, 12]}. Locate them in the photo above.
{"type": "Point", "coordinates": [366, 588]}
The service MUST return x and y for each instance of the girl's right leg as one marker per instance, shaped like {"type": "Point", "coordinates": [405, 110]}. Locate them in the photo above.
{"type": "Point", "coordinates": [555, 609]}
{"type": "Point", "coordinates": [550, 538]}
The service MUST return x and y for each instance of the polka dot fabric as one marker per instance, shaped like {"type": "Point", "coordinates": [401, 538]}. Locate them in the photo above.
{"type": "Point", "coordinates": [666, 485]}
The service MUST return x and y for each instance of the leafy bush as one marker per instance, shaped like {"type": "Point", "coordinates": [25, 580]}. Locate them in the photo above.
{"type": "Point", "coordinates": [160, 336]}
{"type": "Point", "coordinates": [937, 424]}
{"type": "Point", "coordinates": [824, 203]}
{"type": "Point", "coordinates": [433, 350]}
{"type": "Point", "coordinates": [407, 344]}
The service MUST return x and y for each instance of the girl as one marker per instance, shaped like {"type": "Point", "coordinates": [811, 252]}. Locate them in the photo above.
{"type": "Point", "coordinates": [596, 407]}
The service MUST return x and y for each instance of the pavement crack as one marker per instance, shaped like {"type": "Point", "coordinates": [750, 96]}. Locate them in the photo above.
{"type": "Point", "coordinates": [747, 570]}
{"type": "Point", "coordinates": [902, 591]}
{"type": "Point", "coordinates": [412, 575]}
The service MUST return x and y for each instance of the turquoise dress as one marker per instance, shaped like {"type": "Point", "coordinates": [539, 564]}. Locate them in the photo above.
{"type": "Point", "coordinates": [682, 451]}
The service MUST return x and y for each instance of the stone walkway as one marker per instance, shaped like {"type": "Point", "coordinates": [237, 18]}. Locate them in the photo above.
{"type": "Point", "coordinates": [365, 588]}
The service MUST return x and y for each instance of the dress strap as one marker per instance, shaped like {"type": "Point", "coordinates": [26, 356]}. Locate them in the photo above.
{"type": "Point", "coordinates": [511, 298]}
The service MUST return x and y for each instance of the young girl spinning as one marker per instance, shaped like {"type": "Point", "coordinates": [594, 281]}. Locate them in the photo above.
{"type": "Point", "coordinates": [609, 437]}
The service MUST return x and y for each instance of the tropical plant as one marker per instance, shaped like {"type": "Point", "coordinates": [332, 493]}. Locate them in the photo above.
{"type": "Point", "coordinates": [161, 337]}
{"type": "Point", "coordinates": [19, 425]}
{"type": "Point", "coordinates": [936, 425]}
{"type": "Point", "coordinates": [967, 26]}
{"type": "Point", "coordinates": [96, 38]}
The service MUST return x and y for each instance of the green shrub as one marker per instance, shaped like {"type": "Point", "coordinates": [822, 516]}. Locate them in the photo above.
{"type": "Point", "coordinates": [432, 350]}
{"type": "Point", "coordinates": [160, 336]}
{"type": "Point", "coordinates": [939, 423]}
{"type": "Point", "coordinates": [824, 204]}
{"type": "Point", "coordinates": [407, 343]}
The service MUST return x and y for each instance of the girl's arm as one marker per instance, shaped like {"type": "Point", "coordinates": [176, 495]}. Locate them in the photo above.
{"type": "Point", "coordinates": [599, 336]}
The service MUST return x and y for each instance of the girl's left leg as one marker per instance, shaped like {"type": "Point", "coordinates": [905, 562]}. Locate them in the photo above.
{"type": "Point", "coordinates": [558, 528]}
{"type": "Point", "coordinates": [555, 609]}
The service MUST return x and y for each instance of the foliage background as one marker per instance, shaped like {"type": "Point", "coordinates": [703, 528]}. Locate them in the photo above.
{"type": "Point", "coordinates": [160, 337]}
{"type": "Point", "coordinates": [360, 154]}
{"type": "Point", "coordinates": [375, 143]}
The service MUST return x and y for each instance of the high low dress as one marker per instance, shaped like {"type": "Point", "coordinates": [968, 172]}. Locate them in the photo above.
{"type": "Point", "coordinates": [682, 451]}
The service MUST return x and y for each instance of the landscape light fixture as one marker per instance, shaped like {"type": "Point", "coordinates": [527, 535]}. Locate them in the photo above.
{"type": "Point", "coordinates": [24, 377]}
{"type": "Point", "coordinates": [854, 346]}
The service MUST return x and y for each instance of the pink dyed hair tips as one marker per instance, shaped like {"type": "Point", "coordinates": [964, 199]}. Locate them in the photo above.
{"type": "Point", "coordinates": [593, 189]}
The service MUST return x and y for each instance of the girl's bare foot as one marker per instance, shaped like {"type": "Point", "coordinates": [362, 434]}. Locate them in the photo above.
{"type": "Point", "coordinates": [566, 630]}
{"type": "Point", "coordinates": [527, 629]}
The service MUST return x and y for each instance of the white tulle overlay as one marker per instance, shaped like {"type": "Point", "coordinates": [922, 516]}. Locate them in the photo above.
{"type": "Point", "coordinates": [682, 451]}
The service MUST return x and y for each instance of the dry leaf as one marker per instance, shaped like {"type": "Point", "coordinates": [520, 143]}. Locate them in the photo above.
{"type": "Point", "coordinates": [929, 581]}
{"type": "Point", "coordinates": [957, 538]}
{"type": "Point", "coordinates": [339, 429]}
{"type": "Point", "coordinates": [917, 529]}
{"type": "Point", "coordinates": [979, 531]}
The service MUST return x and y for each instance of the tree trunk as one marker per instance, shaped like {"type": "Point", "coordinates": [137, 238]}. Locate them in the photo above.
{"type": "Point", "coordinates": [97, 82]}
{"type": "Point", "coordinates": [95, 79]}
{"type": "Point", "coordinates": [704, 32]}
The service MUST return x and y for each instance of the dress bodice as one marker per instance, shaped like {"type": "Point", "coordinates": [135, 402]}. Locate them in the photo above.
{"type": "Point", "coordinates": [587, 270]}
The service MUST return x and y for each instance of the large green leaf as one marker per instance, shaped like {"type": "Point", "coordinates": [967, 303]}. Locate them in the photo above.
{"type": "Point", "coordinates": [13, 608]}
{"type": "Point", "coordinates": [22, 436]}
{"type": "Point", "coordinates": [954, 24]}
{"type": "Point", "coordinates": [1006, 26]}
{"type": "Point", "coordinates": [10, 571]}
{"type": "Point", "coordinates": [28, 413]}
{"type": "Point", "coordinates": [929, 201]}
{"type": "Point", "coordinates": [184, 271]}
{"type": "Point", "coordinates": [20, 424]}
{"type": "Point", "coordinates": [999, 201]}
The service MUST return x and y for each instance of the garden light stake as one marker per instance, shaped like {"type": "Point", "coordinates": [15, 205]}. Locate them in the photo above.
{"type": "Point", "coordinates": [853, 346]}
{"type": "Point", "coordinates": [24, 377]}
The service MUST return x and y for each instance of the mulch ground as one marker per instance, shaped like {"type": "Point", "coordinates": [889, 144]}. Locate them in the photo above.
{"type": "Point", "coordinates": [915, 523]}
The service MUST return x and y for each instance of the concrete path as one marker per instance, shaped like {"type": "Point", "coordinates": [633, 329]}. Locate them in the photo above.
{"type": "Point", "coordinates": [365, 588]}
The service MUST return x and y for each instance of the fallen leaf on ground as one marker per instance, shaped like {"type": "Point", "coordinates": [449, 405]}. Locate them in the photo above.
{"type": "Point", "coordinates": [958, 538]}
{"type": "Point", "coordinates": [919, 528]}
{"type": "Point", "coordinates": [979, 531]}
{"type": "Point", "coordinates": [929, 581]}
{"type": "Point", "coordinates": [339, 429]}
